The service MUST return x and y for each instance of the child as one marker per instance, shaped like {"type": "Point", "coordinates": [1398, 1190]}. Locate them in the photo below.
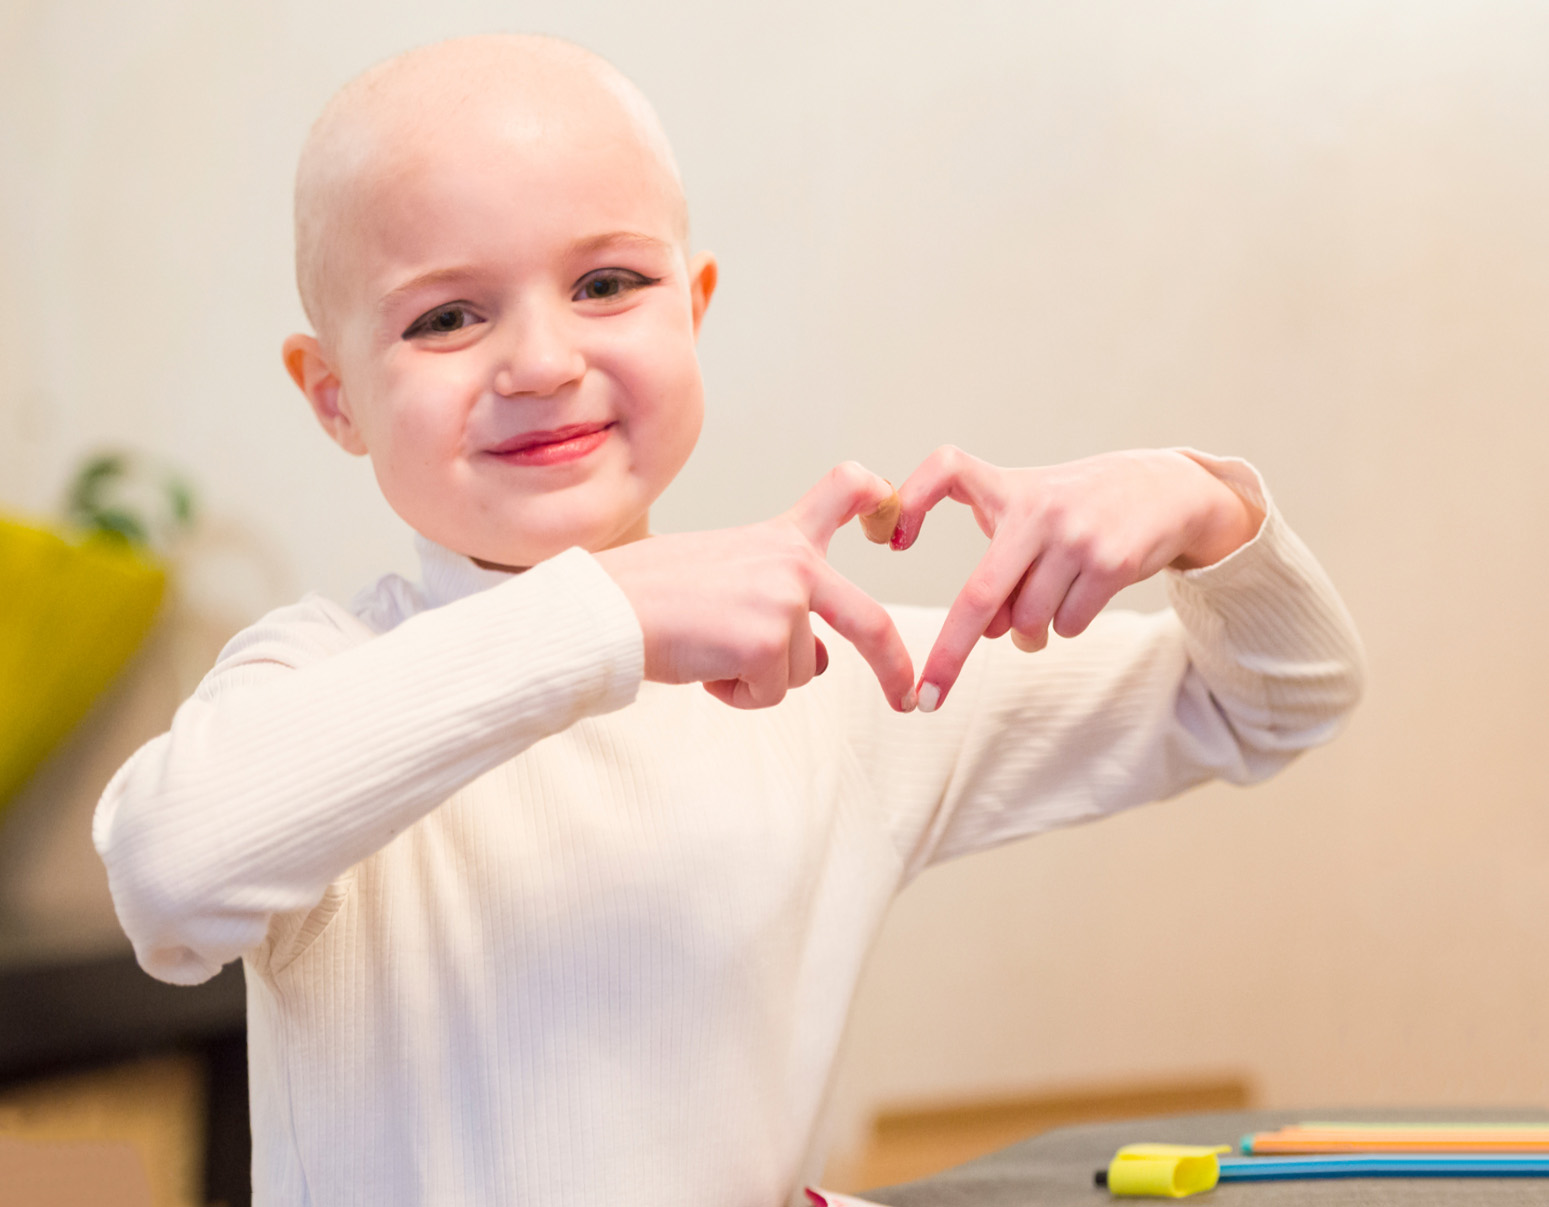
{"type": "Point", "coordinates": [525, 920]}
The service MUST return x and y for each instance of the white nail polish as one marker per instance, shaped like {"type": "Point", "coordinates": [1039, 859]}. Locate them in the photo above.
{"type": "Point", "coordinates": [930, 696]}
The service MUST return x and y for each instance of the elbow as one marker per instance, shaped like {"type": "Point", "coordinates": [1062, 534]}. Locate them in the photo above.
{"type": "Point", "coordinates": [178, 936]}
{"type": "Point", "coordinates": [168, 904]}
{"type": "Point", "coordinates": [1337, 684]}
{"type": "Point", "coordinates": [1356, 678]}
{"type": "Point", "coordinates": [1313, 712]}
{"type": "Point", "coordinates": [178, 932]}
{"type": "Point", "coordinates": [1341, 680]}
{"type": "Point", "coordinates": [1319, 701]}
{"type": "Point", "coordinates": [1305, 707]}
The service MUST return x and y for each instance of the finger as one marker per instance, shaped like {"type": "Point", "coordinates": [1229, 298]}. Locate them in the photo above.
{"type": "Point", "coordinates": [948, 473]}
{"type": "Point", "coordinates": [1030, 643]}
{"type": "Point", "coordinates": [761, 689]}
{"type": "Point", "coordinates": [766, 685]}
{"type": "Point", "coordinates": [1042, 592]}
{"type": "Point", "coordinates": [880, 525]}
{"type": "Point", "coordinates": [846, 491]}
{"type": "Point", "coordinates": [724, 690]}
{"type": "Point", "coordinates": [803, 654]}
{"type": "Point", "coordinates": [1087, 596]}
{"type": "Point", "coordinates": [999, 626]}
{"type": "Point", "coordinates": [820, 656]}
{"type": "Point", "coordinates": [988, 587]}
{"type": "Point", "coordinates": [865, 624]}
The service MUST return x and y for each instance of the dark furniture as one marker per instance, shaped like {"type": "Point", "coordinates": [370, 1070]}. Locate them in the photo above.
{"type": "Point", "coordinates": [70, 1001]}
{"type": "Point", "coordinates": [1055, 1169]}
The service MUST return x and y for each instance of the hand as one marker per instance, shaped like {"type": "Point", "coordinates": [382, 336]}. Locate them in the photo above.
{"type": "Point", "coordinates": [730, 608]}
{"type": "Point", "coordinates": [1064, 540]}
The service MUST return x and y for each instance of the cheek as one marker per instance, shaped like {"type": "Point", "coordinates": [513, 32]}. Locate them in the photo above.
{"type": "Point", "coordinates": [421, 418]}
{"type": "Point", "coordinates": [410, 460]}
{"type": "Point", "coordinates": [676, 414]}
{"type": "Point", "coordinates": [666, 389]}
{"type": "Point", "coordinates": [691, 415]}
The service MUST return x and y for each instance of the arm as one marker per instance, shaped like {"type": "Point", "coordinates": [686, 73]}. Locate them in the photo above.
{"type": "Point", "coordinates": [313, 742]}
{"type": "Point", "coordinates": [1257, 661]}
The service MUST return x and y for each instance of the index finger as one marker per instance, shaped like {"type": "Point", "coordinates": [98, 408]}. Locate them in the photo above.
{"type": "Point", "coordinates": [866, 625]}
{"type": "Point", "coordinates": [948, 473]}
{"type": "Point", "coordinates": [987, 589]}
{"type": "Point", "coordinates": [846, 491]}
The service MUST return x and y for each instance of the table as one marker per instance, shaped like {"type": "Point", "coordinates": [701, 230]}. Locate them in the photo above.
{"type": "Point", "coordinates": [1055, 1169]}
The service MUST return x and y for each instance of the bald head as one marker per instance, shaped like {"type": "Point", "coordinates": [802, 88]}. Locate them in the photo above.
{"type": "Point", "coordinates": [390, 118]}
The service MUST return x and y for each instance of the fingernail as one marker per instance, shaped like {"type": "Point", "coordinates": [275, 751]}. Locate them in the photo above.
{"type": "Point", "coordinates": [897, 540]}
{"type": "Point", "coordinates": [930, 696]}
{"type": "Point", "coordinates": [911, 701]}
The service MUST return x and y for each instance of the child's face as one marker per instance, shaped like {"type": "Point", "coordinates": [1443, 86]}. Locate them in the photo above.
{"type": "Point", "coordinates": [513, 329]}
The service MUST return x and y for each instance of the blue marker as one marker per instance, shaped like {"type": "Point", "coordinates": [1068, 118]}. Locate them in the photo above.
{"type": "Point", "coordinates": [1385, 1165]}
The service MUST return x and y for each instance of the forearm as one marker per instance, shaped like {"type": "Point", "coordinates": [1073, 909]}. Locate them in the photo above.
{"type": "Point", "coordinates": [1258, 660]}
{"type": "Point", "coordinates": [267, 790]}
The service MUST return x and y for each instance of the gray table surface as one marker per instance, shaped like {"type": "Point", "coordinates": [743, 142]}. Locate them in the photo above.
{"type": "Point", "coordinates": [1055, 1168]}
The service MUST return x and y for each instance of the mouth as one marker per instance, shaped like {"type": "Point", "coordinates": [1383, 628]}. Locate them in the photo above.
{"type": "Point", "coordinates": [553, 447]}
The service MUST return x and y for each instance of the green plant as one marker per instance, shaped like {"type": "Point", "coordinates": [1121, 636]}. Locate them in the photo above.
{"type": "Point", "coordinates": [116, 495]}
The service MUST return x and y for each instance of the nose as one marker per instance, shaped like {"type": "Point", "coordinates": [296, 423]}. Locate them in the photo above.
{"type": "Point", "coordinates": [538, 353]}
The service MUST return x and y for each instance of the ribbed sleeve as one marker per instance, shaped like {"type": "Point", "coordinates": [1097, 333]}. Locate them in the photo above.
{"type": "Point", "coordinates": [314, 742]}
{"type": "Point", "coordinates": [1257, 661]}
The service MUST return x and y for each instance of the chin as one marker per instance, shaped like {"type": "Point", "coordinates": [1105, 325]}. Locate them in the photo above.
{"type": "Point", "coordinates": [527, 531]}
{"type": "Point", "coordinates": [530, 547]}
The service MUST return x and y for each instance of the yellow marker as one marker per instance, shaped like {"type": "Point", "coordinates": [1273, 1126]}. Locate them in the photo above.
{"type": "Point", "coordinates": [1162, 1171]}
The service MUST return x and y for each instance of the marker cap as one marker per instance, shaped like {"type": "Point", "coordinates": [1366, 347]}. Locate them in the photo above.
{"type": "Point", "coordinates": [1167, 1171]}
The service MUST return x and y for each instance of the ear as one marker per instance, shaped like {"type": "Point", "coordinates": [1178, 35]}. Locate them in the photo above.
{"type": "Point", "coordinates": [702, 276]}
{"type": "Point", "coordinates": [315, 377]}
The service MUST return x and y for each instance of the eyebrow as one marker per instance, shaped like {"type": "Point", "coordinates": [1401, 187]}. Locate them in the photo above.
{"type": "Point", "coordinates": [593, 243]}
{"type": "Point", "coordinates": [436, 276]}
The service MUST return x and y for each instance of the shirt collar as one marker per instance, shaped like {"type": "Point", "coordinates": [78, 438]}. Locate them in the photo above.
{"type": "Point", "coordinates": [446, 576]}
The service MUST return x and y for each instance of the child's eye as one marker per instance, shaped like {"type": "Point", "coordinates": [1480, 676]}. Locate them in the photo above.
{"type": "Point", "coordinates": [443, 320]}
{"type": "Point", "coordinates": [608, 283]}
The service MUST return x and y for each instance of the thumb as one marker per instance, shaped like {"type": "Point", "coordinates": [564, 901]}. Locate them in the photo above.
{"type": "Point", "coordinates": [846, 491]}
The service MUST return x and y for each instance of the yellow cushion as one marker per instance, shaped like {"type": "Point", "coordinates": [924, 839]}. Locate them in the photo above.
{"type": "Point", "coordinates": [71, 614]}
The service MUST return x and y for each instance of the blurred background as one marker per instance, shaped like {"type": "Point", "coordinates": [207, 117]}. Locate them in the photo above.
{"type": "Point", "coordinates": [1312, 234]}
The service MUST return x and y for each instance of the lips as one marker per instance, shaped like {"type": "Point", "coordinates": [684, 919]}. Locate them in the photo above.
{"type": "Point", "coordinates": [552, 447]}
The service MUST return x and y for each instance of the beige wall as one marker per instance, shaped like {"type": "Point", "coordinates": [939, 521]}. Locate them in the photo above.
{"type": "Point", "coordinates": [1316, 235]}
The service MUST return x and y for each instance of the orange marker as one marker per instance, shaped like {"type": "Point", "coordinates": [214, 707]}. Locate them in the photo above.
{"type": "Point", "coordinates": [1401, 1138]}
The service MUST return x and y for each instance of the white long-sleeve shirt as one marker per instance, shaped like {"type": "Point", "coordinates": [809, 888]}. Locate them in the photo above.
{"type": "Point", "coordinates": [521, 928]}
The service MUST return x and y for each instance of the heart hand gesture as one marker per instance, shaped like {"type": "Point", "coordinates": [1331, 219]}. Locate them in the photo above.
{"type": "Point", "coordinates": [1065, 539]}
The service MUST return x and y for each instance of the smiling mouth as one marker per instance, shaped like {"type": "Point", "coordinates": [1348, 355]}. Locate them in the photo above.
{"type": "Point", "coordinates": [552, 447]}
